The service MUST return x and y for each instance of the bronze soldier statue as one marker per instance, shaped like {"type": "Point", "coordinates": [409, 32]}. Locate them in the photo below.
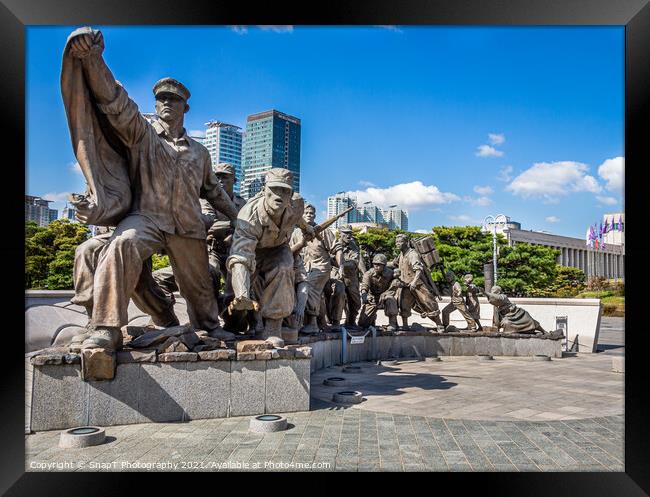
{"type": "Point", "coordinates": [457, 303]}
{"type": "Point", "coordinates": [317, 255]}
{"type": "Point", "coordinates": [377, 292]}
{"type": "Point", "coordinates": [471, 299]}
{"type": "Point", "coordinates": [419, 292]}
{"type": "Point", "coordinates": [349, 263]}
{"type": "Point", "coordinates": [508, 317]}
{"type": "Point", "coordinates": [167, 172]}
{"type": "Point", "coordinates": [260, 261]}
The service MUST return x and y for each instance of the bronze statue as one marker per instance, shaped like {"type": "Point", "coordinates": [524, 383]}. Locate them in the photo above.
{"type": "Point", "coordinates": [457, 303]}
{"type": "Point", "coordinates": [419, 292]}
{"type": "Point", "coordinates": [471, 299]}
{"type": "Point", "coordinates": [378, 293]}
{"type": "Point", "coordinates": [349, 263]}
{"type": "Point", "coordinates": [260, 257]}
{"type": "Point", "coordinates": [159, 173]}
{"type": "Point", "coordinates": [316, 255]}
{"type": "Point", "coordinates": [508, 317]}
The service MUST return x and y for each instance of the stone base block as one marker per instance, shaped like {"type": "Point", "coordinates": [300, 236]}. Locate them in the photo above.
{"type": "Point", "coordinates": [144, 392]}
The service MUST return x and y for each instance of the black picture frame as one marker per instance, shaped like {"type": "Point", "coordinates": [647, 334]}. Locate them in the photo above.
{"type": "Point", "coordinates": [633, 14]}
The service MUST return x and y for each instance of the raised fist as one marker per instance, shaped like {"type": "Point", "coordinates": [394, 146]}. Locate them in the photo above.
{"type": "Point", "coordinates": [86, 44]}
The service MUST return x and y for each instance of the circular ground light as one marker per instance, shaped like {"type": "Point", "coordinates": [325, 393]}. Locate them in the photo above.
{"type": "Point", "coordinates": [485, 357]}
{"type": "Point", "coordinates": [348, 397]}
{"type": "Point", "coordinates": [541, 357]}
{"type": "Point", "coordinates": [352, 369]}
{"type": "Point", "coordinates": [83, 436]}
{"type": "Point", "coordinates": [267, 423]}
{"type": "Point", "coordinates": [335, 382]}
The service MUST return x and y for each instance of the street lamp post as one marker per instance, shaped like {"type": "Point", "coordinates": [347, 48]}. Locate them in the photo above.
{"type": "Point", "coordinates": [494, 220]}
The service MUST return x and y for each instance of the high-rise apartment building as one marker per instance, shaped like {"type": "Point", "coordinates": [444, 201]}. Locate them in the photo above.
{"type": "Point", "coordinates": [272, 139]}
{"type": "Point", "coordinates": [224, 142]}
{"type": "Point", "coordinates": [38, 210]}
{"type": "Point", "coordinates": [396, 218]}
{"type": "Point", "coordinates": [337, 204]}
{"type": "Point", "coordinates": [68, 213]}
{"type": "Point", "coordinates": [366, 213]}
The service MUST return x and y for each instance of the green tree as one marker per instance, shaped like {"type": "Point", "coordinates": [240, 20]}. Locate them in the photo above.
{"type": "Point", "coordinates": [159, 261]}
{"type": "Point", "coordinates": [463, 249]}
{"type": "Point", "coordinates": [49, 253]}
{"type": "Point", "coordinates": [528, 270]}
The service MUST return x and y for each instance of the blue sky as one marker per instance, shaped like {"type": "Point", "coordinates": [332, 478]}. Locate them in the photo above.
{"type": "Point", "coordinates": [450, 123]}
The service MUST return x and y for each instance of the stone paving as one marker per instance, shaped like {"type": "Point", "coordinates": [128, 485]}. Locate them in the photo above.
{"type": "Point", "coordinates": [506, 388]}
{"type": "Point", "coordinates": [510, 414]}
{"type": "Point", "coordinates": [339, 439]}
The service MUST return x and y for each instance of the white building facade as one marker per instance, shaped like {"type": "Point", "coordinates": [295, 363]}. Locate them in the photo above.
{"type": "Point", "coordinates": [608, 262]}
{"type": "Point", "coordinates": [366, 214]}
{"type": "Point", "coordinates": [224, 142]}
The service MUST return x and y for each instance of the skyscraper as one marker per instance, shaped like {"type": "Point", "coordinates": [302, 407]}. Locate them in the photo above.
{"type": "Point", "coordinates": [224, 142]}
{"type": "Point", "coordinates": [38, 210]}
{"type": "Point", "coordinates": [366, 213]}
{"type": "Point", "coordinates": [272, 139]}
{"type": "Point", "coordinates": [69, 213]}
{"type": "Point", "coordinates": [396, 218]}
{"type": "Point", "coordinates": [337, 204]}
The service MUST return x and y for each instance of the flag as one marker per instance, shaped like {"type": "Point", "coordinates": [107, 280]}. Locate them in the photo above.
{"type": "Point", "coordinates": [588, 237]}
{"type": "Point", "coordinates": [601, 230]}
{"type": "Point", "coordinates": [606, 227]}
{"type": "Point", "coordinates": [620, 223]}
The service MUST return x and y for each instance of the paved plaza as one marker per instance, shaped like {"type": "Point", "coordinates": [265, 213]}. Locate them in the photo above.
{"type": "Point", "coordinates": [459, 414]}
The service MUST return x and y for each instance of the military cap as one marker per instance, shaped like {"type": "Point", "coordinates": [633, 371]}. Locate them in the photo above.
{"type": "Point", "coordinates": [278, 176]}
{"type": "Point", "coordinates": [346, 229]}
{"type": "Point", "coordinates": [224, 168]}
{"type": "Point", "coordinates": [380, 259]}
{"type": "Point", "coordinates": [171, 85]}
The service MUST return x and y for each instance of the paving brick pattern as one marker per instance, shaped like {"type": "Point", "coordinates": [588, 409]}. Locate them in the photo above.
{"type": "Point", "coordinates": [507, 388]}
{"type": "Point", "coordinates": [345, 439]}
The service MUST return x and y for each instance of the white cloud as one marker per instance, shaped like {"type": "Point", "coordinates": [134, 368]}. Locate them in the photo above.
{"type": "Point", "coordinates": [551, 180]}
{"type": "Point", "coordinates": [197, 133]}
{"type": "Point", "coordinates": [464, 219]}
{"type": "Point", "coordinates": [606, 200]}
{"type": "Point", "coordinates": [553, 219]}
{"type": "Point", "coordinates": [56, 196]}
{"type": "Point", "coordinates": [480, 201]}
{"type": "Point", "coordinates": [366, 183]}
{"type": "Point", "coordinates": [405, 195]}
{"type": "Point", "coordinates": [240, 30]}
{"type": "Point", "coordinates": [280, 28]}
{"type": "Point", "coordinates": [59, 199]}
{"type": "Point", "coordinates": [487, 151]}
{"type": "Point", "coordinates": [277, 28]}
{"type": "Point", "coordinates": [483, 190]}
{"type": "Point", "coordinates": [390, 27]}
{"type": "Point", "coordinates": [424, 232]}
{"type": "Point", "coordinates": [505, 173]}
{"type": "Point", "coordinates": [496, 139]}
{"type": "Point", "coordinates": [613, 172]}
